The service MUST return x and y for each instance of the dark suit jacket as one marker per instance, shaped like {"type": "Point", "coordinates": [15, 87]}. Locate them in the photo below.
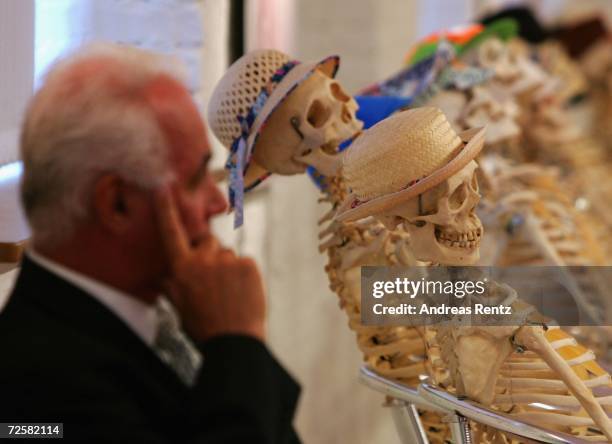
{"type": "Point", "coordinates": [64, 357]}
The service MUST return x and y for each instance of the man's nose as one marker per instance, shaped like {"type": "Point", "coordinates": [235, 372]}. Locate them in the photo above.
{"type": "Point", "coordinates": [218, 203]}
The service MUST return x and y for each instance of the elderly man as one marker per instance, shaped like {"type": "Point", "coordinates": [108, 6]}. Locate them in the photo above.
{"type": "Point", "coordinates": [118, 195]}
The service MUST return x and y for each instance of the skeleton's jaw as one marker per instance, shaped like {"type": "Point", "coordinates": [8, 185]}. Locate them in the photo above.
{"type": "Point", "coordinates": [458, 256]}
{"type": "Point", "coordinates": [327, 164]}
{"type": "Point", "coordinates": [326, 158]}
{"type": "Point", "coordinates": [433, 243]}
{"type": "Point", "coordinates": [351, 128]}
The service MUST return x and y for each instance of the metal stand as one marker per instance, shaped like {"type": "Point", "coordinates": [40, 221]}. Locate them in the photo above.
{"type": "Point", "coordinates": [458, 413]}
{"type": "Point", "coordinates": [404, 406]}
{"type": "Point", "coordinates": [407, 422]}
{"type": "Point", "coordinates": [460, 429]}
{"type": "Point", "coordinates": [469, 410]}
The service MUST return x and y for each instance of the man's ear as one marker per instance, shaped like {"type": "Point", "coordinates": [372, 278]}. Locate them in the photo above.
{"type": "Point", "coordinates": [112, 203]}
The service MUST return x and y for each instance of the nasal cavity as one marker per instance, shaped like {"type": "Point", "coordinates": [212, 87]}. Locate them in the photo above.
{"type": "Point", "coordinates": [338, 92]}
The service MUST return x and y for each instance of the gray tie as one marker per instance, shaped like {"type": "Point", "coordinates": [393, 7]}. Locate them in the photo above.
{"type": "Point", "coordinates": [173, 346]}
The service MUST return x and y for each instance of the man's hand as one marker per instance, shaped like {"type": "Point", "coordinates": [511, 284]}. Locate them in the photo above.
{"type": "Point", "coordinates": [214, 291]}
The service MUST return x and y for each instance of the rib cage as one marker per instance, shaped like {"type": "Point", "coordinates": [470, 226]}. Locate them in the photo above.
{"type": "Point", "coordinates": [394, 352]}
{"type": "Point", "coordinates": [528, 389]}
{"type": "Point", "coordinates": [398, 353]}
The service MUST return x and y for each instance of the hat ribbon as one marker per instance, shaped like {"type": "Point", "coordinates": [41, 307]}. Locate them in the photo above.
{"type": "Point", "coordinates": [238, 159]}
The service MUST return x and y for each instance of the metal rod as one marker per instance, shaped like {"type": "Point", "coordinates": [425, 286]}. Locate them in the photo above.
{"type": "Point", "coordinates": [396, 390]}
{"type": "Point", "coordinates": [431, 398]}
{"type": "Point", "coordinates": [460, 429]}
{"type": "Point", "coordinates": [408, 423]}
{"type": "Point", "coordinates": [497, 420]}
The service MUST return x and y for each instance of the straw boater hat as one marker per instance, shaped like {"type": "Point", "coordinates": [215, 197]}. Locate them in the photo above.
{"type": "Point", "coordinates": [244, 99]}
{"type": "Point", "coordinates": [402, 157]}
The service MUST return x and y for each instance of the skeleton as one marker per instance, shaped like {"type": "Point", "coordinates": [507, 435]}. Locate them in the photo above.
{"type": "Point", "coordinates": [595, 160]}
{"type": "Point", "coordinates": [547, 229]}
{"type": "Point", "coordinates": [535, 219]}
{"type": "Point", "coordinates": [551, 223]}
{"type": "Point", "coordinates": [448, 211]}
{"type": "Point", "coordinates": [547, 206]}
{"type": "Point", "coordinates": [520, 81]}
{"type": "Point", "coordinates": [551, 136]}
{"type": "Point", "coordinates": [462, 349]}
{"type": "Point", "coordinates": [480, 106]}
{"type": "Point", "coordinates": [527, 203]}
{"type": "Point", "coordinates": [557, 233]}
{"type": "Point", "coordinates": [529, 219]}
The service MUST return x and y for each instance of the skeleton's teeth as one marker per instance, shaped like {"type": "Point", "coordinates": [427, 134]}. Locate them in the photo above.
{"type": "Point", "coordinates": [469, 239]}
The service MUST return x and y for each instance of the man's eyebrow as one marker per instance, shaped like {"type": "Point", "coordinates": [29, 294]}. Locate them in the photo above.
{"type": "Point", "coordinates": [201, 171]}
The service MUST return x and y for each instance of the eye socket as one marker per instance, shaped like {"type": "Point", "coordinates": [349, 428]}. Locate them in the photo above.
{"type": "Point", "coordinates": [491, 54]}
{"type": "Point", "coordinates": [458, 197]}
{"type": "Point", "coordinates": [338, 92]}
{"type": "Point", "coordinates": [318, 114]}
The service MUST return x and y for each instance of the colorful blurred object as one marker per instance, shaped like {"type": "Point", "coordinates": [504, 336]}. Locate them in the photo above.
{"type": "Point", "coordinates": [372, 109]}
{"type": "Point", "coordinates": [462, 38]}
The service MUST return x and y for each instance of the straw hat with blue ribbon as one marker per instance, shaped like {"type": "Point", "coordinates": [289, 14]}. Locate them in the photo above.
{"type": "Point", "coordinates": [401, 157]}
{"type": "Point", "coordinates": [242, 102]}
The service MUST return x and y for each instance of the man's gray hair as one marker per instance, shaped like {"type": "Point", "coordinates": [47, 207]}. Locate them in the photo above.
{"type": "Point", "coordinates": [89, 118]}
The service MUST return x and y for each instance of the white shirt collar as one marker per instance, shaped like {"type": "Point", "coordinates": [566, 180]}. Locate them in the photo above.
{"type": "Point", "coordinates": [139, 316]}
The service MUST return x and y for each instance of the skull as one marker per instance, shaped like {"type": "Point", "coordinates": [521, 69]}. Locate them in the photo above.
{"type": "Point", "coordinates": [499, 113]}
{"type": "Point", "coordinates": [485, 106]}
{"type": "Point", "coordinates": [495, 55]}
{"type": "Point", "coordinates": [511, 65]}
{"type": "Point", "coordinates": [442, 222]}
{"type": "Point", "coordinates": [307, 128]}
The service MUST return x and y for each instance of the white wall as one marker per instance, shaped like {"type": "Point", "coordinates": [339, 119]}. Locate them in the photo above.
{"type": "Point", "coordinates": [371, 36]}
{"type": "Point", "coordinates": [16, 76]}
{"type": "Point", "coordinates": [16, 70]}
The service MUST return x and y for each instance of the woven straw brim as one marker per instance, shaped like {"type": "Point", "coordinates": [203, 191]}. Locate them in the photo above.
{"type": "Point", "coordinates": [351, 209]}
{"type": "Point", "coordinates": [292, 80]}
